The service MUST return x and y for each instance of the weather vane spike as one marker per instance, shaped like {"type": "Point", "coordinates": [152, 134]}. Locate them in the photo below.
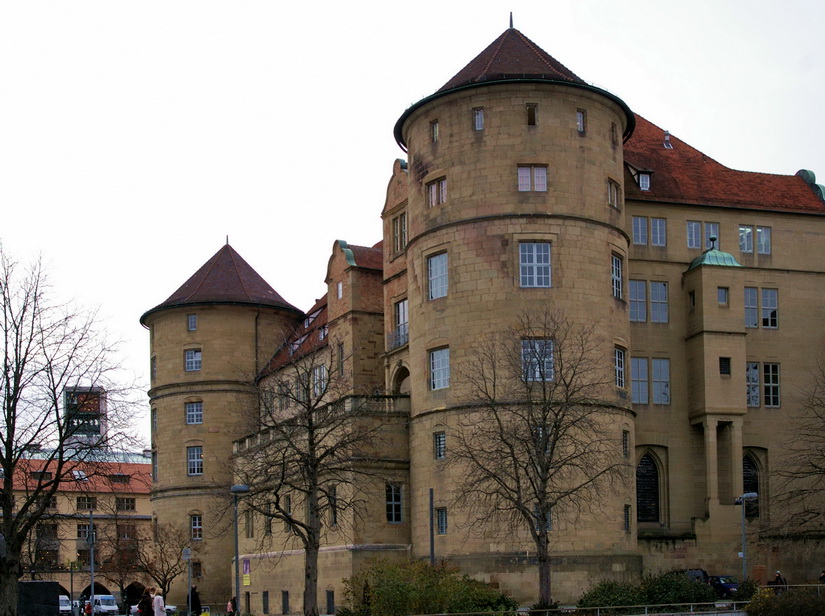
{"type": "Point", "coordinates": [227, 240]}
{"type": "Point", "coordinates": [511, 20]}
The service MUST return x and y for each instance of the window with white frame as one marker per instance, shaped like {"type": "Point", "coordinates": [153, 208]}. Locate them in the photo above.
{"type": "Point", "coordinates": [763, 240]}
{"type": "Point", "coordinates": [770, 384]}
{"type": "Point", "coordinates": [534, 264]}
{"type": "Point", "coordinates": [537, 359]}
{"type": "Point", "coordinates": [194, 460]}
{"type": "Point", "coordinates": [770, 308]}
{"type": "Point", "coordinates": [581, 121]}
{"type": "Point", "coordinates": [660, 381]}
{"type": "Point", "coordinates": [712, 230]}
{"type": "Point", "coordinates": [319, 380]}
{"type": "Point", "coordinates": [658, 232]}
{"type": "Point", "coordinates": [434, 130]}
{"type": "Point", "coordinates": [644, 181]}
{"type": "Point", "coordinates": [437, 192]}
{"type": "Point", "coordinates": [639, 380]}
{"type": "Point", "coordinates": [478, 118]}
{"type": "Point", "coordinates": [694, 231]}
{"type": "Point", "coordinates": [658, 302]}
{"type": "Point", "coordinates": [616, 275]}
{"type": "Point", "coordinates": [638, 301]}
{"type": "Point", "coordinates": [441, 520]}
{"type": "Point", "coordinates": [751, 307]}
{"type": "Point", "coordinates": [191, 322]}
{"type": "Point", "coordinates": [192, 360]}
{"type": "Point", "coordinates": [399, 232]}
{"type": "Point", "coordinates": [400, 335]}
{"type": "Point", "coordinates": [439, 369]}
{"type": "Point", "coordinates": [437, 275]}
{"type": "Point", "coordinates": [745, 238]}
{"type": "Point", "coordinates": [194, 412]}
{"type": "Point", "coordinates": [614, 194]}
{"type": "Point", "coordinates": [753, 384]}
{"type": "Point", "coordinates": [439, 445]}
{"type": "Point", "coordinates": [532, 178]}
{"type": "Point", "coordinates": [394, 503]}
{"type": "Point", "coordinates": [618, 366]}
{"type": "Point", "coordinates": [639, 230]}
{"type": "Point", "coordinates": [196, 527]}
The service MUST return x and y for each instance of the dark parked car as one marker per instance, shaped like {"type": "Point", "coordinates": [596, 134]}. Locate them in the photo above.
{"type": "Point", "coordinates": [724, 585]}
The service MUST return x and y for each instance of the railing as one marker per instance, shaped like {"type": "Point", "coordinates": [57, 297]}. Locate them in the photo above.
{"type": "Point", "coordinates": [398, 337]}
{"type": "Point", "coordinates": [718, 608]}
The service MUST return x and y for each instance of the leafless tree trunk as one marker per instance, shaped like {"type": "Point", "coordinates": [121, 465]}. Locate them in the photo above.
{"type": "Point", "coordinates": [160, 555]}
{"type": "Point", "coordinates": [48, 348]}
{"type": "Point", "coordinates": [538, 444]}
{"type": "Point", "coordinates": [311, 438]}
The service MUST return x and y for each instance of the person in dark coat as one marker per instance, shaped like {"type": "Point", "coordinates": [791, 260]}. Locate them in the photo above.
{"type": "Point", "coordinates": [195, 609]}
{"type": "Point", "coordinates": [145, 603]}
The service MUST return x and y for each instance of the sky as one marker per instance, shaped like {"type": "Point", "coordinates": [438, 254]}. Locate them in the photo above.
{"type": "Point", "coordinates": [136, 137]}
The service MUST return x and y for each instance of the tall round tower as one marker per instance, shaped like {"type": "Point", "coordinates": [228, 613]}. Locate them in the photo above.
{"type": "Point", "coordinates": [514, 207]}
{"type": "Point", "coordinates": [208, 341]}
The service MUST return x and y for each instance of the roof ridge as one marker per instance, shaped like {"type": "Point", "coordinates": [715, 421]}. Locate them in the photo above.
{"type": "Point", "coordinates": [495, 53]}
{"type": "Point", "coordinates": [238, 272]}
{"type": "Point", "coordinates": [536, 50]}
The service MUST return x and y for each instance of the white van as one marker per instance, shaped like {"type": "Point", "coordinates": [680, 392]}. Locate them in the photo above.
{"type": "Point", "coordinates": [65, 605]}
{"type": "Point", "coordinates": [105, 604]}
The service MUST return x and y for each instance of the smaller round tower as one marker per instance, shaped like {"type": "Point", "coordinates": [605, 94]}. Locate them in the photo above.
{"type": "Point", "coordinates": [208, 341]}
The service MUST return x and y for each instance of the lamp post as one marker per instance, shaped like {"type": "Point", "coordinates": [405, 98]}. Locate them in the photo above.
{"type": "Point", "coordinates": [742, 500]}
{"type": "Point", "coordinates": [237, 491]}
{"type": "Point", "coordinates": [90, 539]}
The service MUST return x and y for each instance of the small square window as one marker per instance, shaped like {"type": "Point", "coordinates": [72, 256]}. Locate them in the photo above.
{"type": "Point", "coordinates": [722, 295]}
{"type": "Point", "coordinates": [532, 178]}
{"type": "Point", "coordinates": [437, 192]}
{"type": "Point", "coordinates": [192, 360]}
{"type": "Point", "coordinates": [724, 366]}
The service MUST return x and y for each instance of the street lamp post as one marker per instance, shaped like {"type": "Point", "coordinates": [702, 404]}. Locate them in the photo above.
{"type": "Point", "coordinates": [742, 500]}
{"type": "Point", "coordinates": [237, 491]}
{"type": "Point", "coordinates": [90, 539]}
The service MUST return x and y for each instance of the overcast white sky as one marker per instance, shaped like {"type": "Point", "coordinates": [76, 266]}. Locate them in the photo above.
{"type": "Point", "coordinates": [135, 136]}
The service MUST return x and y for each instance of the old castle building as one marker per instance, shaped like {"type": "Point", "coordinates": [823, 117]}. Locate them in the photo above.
{"type": "Point", "coordinates": [524, 188]}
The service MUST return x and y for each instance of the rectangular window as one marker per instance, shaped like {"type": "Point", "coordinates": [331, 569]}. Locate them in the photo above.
{"type": "Point", "coordinates": [249, 523]}
{"type": "Point", "coordinates": [661, 381]}
{"type": "Point", "coordinates": [83, 531]}
{"type": "Point", "coordinates": [770, 308]}
{"type": "Point", "coordinates": [753, 383]}
{"type": "Point", "coordinates": [639, 230]}
{"type": "Point", "coordinates": [616, 276]}
{"type": "Point", "coordinates": [400, 335]}
{"type": "Point", "coordinates": [626, 443]}
{"type": "Point", "coordinates": [751, 308]}
{"type": "Point", "coordinates": [319, 381]}
{"type": "Point", "coordinates": [638, 301]}
{"type": "Point", "coordinates": [548, 519]}
{"type": "Point", "coordinates": [194, 412]}
{"type": "Point", "coordinates": [618, 366]}
{"type": "Point", "coordinates": [340, 290]}
{"type": "Point", "coordinates": [437, 192]}
{"type": "Point", "coordinates": [658, 232]}
{"type": "Point", "coordinates": [434, 130]}
{"type": "Point", "coordinates": [581, 121]}
{"type": "Point", "coordinates": [534, 264]}
{"type": "Point", "coordinates": [285, 602]}
{"type": "Point", "coordinates": [439, 445]}
{"type": "Point", "coordinates": [287, 512]}
{"type": "Point", "coordinates": [125, 503]}
{"type": "Point", "coordinates": [638, 383]}
{"type": "Point", "coordinates": [722, 295]}
{"type": "Point", "coordinates": [763, 240]}
{"type": "Point", "coordinates": [264, 602]}
{"type": "Point", "coordinates": [770, 384]}
{"type": "Point", "coordinates": [437, 275]}
{"type": "Point", "coordinates": [627, 518]}
{"type": "Point", "coordinates": [658, 302]}
{"type": "Point", "coordinates": [86, 503]}
{"type": "Point", "coordinates": [745, 238]}
{"type": "Point", "coordinates": [724, 366]}
{"type": "Point", "coordinates": [532, 178]}
{"type": "Point", "coordinates": [441, 520]}
{"type": "Point", "coordinates": [333, 505]}
{"type": "Point", "coordinates": [478, 118]}
{"type": "Point", "coordinates": [614, 198]}
{"type": "Point", "coordinates": [644, 181]}
{"type": "Point", "coordinates": [330, 602]}
{"type": "Point", "coordinates": [192, 360]}
{"type": "Point", "coordinates": [399, 232]}
{"type": "Point", "coordinates": [197, 569]}
{"type": "Point", "coordinates": [196, 527]}
{"type": "Point", "coordinates": [439, 369]}
{"type": "Point", "coordinates": [192, 322]}
{"type": "Point", "coordinates": [537, 359]}
{"type": "Point", "coordinates": [394, 511]}
{"type": "Point", "coordinates": [194, 460]}
{"type": "Point", "coordinates": [694, 229]}
{"type": "Point", "coordinates": [531, 114]}
{"type": "Point", "coordinates": [712, 230]}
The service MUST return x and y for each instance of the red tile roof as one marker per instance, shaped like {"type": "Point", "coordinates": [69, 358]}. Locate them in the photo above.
{"type": "Point", "coordinates": [369, 257]}
{"type": "Point", "coordinates": [683, 174]}
{"type": "Point", "coordinates": [225, 278]}
{"type": "Point", "coordinates": [138, 478]}
{"type": "Point", "coordinates": [511, 56]}
{"type": "Point", "coordinates": [305, 339]}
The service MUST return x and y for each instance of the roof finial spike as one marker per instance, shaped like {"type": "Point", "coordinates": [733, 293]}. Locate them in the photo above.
{"type": "Point", "coordinates": [511, 20]}
{"type": "Point", "coordinates": [227, 240]}
{"type": "Point", "coordinates": [713, 239]}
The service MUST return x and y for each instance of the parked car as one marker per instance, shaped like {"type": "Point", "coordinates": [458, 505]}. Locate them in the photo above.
{"type": "Point", "coordinates": [65, 604]}
{"type": "Point", "coordinates": [724, 585]}
{"type": "Point", "coordinates": [697, 575]}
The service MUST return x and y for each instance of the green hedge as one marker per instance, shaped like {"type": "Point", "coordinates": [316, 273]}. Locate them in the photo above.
{"type": "Point", "coordinates": [667, 589]}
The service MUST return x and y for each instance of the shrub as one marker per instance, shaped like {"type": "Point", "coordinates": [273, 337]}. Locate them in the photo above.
{"type": "Point", "coordinates": [799, 602]}
{"type": "Point", "coordinates": [746, 590]}
{"type": "Point", "coordinates": [610, 592]}
{"type": "Point", "coordinates": [665, 589]}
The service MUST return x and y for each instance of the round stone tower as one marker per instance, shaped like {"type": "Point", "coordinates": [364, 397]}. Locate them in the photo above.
{"type": "Point", "coordinates": [208, 341]}
{"type": "Point", "coordinates": [514, 208]}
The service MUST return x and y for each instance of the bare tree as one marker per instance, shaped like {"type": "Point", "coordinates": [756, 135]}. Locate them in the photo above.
{"type": "Point", "coordinates": [311, 439]}
{"type": "Point", "coordinates": [160, 555]}
{"type": "Point", "coordinates": [49, 351]}
{"type": "Point", "coordinates": [539, 444]}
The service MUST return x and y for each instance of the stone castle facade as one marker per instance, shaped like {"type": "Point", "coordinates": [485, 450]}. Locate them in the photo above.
{"type": "Point", "coordinates": [524, 188]}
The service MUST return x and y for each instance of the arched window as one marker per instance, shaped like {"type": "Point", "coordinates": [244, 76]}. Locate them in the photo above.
{"type": "Point", "coordinates": [750, 483]}
{"type": "Point", "coordinates": [647, 490]}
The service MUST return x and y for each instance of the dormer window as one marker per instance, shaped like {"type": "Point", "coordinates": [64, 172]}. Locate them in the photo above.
{"type": "Point", "coordinates": [644, 181]}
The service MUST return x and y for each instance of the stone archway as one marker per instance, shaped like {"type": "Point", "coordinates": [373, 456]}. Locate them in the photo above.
{"type": "Point", "coordinates": [401, 381]}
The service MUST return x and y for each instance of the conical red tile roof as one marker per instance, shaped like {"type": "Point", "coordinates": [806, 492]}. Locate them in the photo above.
{"type": "Point", "coordinates": [511, 56]}
{"type": "Point", "coordinates": [225, 279]}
